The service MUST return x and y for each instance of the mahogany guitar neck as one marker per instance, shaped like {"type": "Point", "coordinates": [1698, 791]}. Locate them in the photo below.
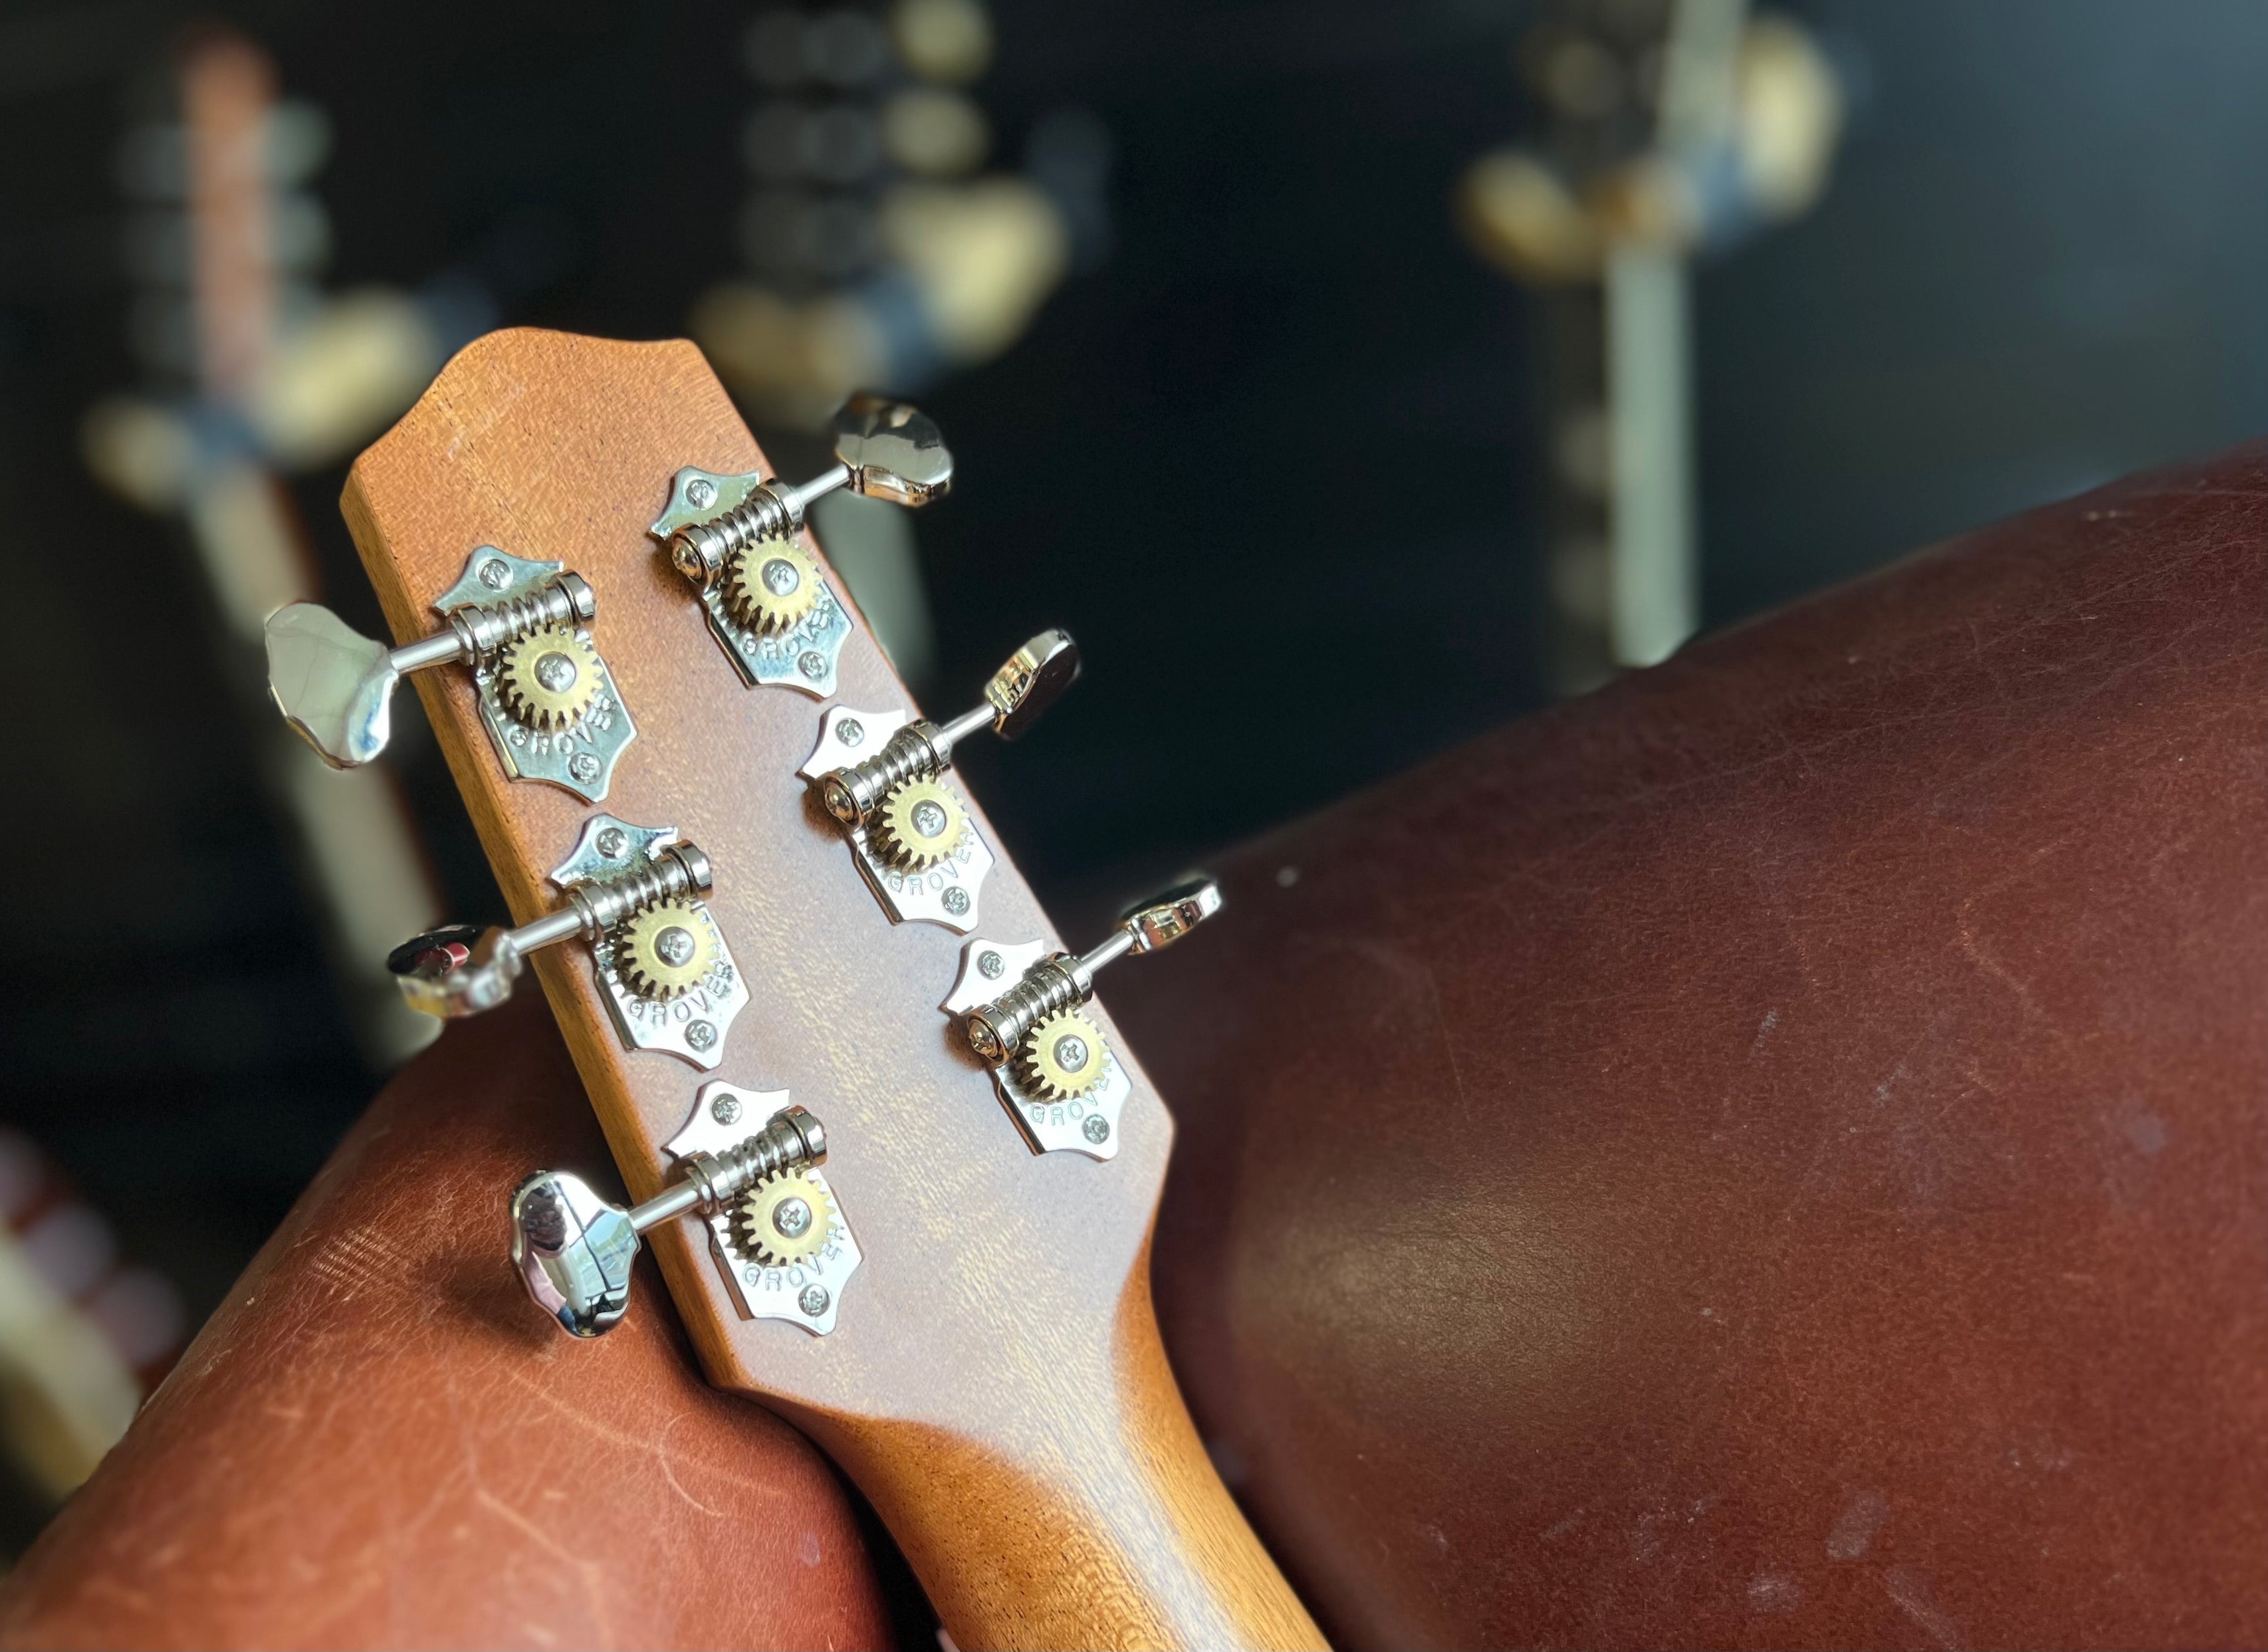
{"type": "Point", "coordinates": [990, 1373]}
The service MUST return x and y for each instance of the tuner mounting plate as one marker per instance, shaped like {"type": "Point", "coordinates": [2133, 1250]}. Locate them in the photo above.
{"type": "Point", "coordinates": [808, 1293]}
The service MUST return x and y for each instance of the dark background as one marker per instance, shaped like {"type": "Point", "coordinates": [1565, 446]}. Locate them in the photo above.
{"type": "Point", "coordinates": [1275, 460]}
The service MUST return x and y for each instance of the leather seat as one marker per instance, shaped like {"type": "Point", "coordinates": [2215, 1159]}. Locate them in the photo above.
{"type": "Point", "coordinates": [1775, 1153]}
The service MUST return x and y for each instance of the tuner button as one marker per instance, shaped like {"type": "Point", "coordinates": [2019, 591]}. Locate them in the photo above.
{"type": "Point", "coordinates": [893, 450]}
{"type": "Point", "coordinates": [457, 970]}
{"type": "Point", "coordinates": [1166, 919]}
{"type": "Point", "coordinates": [332, 684]}
{"type": "Point", "coordinates": [573, 1251]}
{"type": "Point", "coordinates": [1034, 678]}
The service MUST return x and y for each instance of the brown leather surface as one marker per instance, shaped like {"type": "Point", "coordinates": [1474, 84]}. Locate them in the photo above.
{"type": "Point", "coordinates": [1775, 1153]}
{"type": "Point", "coordinates": [378, 1441]}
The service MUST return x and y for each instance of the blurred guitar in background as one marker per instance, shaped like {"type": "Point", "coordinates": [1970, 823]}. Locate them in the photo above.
{"type": "Point", "coordinates": [272, 377]}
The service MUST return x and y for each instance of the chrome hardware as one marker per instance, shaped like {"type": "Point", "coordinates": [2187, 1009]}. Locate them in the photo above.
{"type": "Point", "coordinates": [805, 1288]}
{"type": "Point", "coordinates": [574, 1249]}
{"type": "Point", "coordinates": [1054, 1070]}
{"type": "Point", "coordinates": [675, 988]}
{"type": "Point", "coordinates": [735, 537]}
{"type": "Point", "coordinates": [882, 776]}
{"type": "Point", "coordinates": [547, 700]}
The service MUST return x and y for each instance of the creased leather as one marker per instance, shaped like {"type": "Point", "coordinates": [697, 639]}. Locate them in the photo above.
{"type": "Point", "coordinates": [378, 1441]}
{"type": "Point", "coordinates": [1775, 1153]}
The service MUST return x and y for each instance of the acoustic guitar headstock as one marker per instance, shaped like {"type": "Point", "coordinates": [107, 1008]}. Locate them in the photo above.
{"type": "Point", "coordinates": [897, 1165]}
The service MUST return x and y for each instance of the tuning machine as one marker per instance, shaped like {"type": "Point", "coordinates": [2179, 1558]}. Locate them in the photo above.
{"type": "Point", "coordinates": [881, 775]}
{"type": "Point", "coordinates": [574, 1249]}
{"type": "Point", "coordinates": [547, 700]}
{"type": "Point", "coordinates": [736, 539]}
{"type": "Point", "coordinates": [1022, 1010]}
{"type": "Point", "coordinates": [662, 965]}
{"type": "Point", "coordinates": [784, 1247]}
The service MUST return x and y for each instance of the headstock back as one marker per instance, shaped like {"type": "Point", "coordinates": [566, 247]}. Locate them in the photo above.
{"type": "Point", "coordinates": [993, 1378]}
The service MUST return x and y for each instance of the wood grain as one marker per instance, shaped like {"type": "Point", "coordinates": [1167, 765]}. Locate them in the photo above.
{"type": "Point", "coordinates": [996, 1384]}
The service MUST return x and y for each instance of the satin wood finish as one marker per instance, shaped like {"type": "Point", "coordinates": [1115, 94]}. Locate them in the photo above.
{"type": "Point", "coordinates": [996, 1384]}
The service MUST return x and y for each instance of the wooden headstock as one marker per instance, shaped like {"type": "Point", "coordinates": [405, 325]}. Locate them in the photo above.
{"type": "Point", "coordinates": [995, 1383]}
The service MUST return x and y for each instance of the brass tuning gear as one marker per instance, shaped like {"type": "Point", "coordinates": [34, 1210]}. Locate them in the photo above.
{"type": "Point", "coordinates": [737, 538]}
{"type": "Point", "coordinates": [1023, 1010]}
{"type": "Point", "coordinates": [547, 699]}
{"type": "Point", "coordinates": [882, 776]}
{"type": "Point", "coordinates": [633, 893]}
{"type": "Point", "coordinates": [548, 677]}
{"type": "Point", "coordinates": [920, 823]}
{"type": "Point", "coordinates": [772, 584]}
{"type": "Point", "coordinates": [785, 1219]}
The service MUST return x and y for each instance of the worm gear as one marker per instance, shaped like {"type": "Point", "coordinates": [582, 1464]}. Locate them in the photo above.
{"type": "Point", "coordinates": [664, 949]}
{"type": "Point", "coordinates": [784, 1219]}
{"type": "Point", "coordinates": [1063, 1059]}
{"type": "Point", "coordinates": [919, 824]}
{"type": "Point", "coordinates": [772, 584]}
{"type": "Point", "coordinates": [548, 677]}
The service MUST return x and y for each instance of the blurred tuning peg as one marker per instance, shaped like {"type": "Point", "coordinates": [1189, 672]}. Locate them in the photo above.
{"type": "Point", "coordinates": [574, 1249]}
{"type": "Point", "coordinates": [548, 702]}
{"type": "Point", "coordinates": [735, 537]}
{"type": "Point", "coordinates": [909, 832]}
{"type": "Point", "coordinates": [1050, 1061]}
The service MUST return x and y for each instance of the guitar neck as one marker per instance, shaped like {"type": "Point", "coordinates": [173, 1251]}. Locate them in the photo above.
{"type": "Point", "coordinates": [993, 1378]}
